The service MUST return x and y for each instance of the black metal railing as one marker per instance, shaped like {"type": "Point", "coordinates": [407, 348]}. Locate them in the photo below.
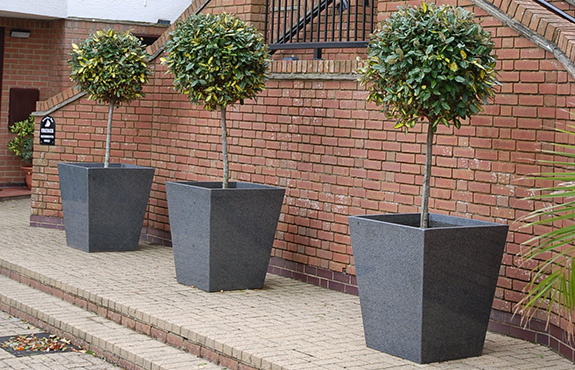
{"type": "Point", "coordinates": [302, 24]}
{"type": "Point", "coordinates": [555, 10]}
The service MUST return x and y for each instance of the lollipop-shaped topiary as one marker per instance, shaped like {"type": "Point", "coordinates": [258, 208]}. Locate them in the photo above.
{"type": "Point", "coordinates": [434, 64]}
{"type": "Point", "coordinates": [217, 60]}
{"type": "Point", "coordinates": [112, 68]}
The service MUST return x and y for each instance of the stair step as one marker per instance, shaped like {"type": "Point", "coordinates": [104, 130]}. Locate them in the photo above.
{"type": "Point", "coordinates": [104, 337]}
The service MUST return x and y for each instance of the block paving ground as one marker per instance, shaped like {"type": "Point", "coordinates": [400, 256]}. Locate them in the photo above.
{"type": "Point", "coordinates": [288, 325]}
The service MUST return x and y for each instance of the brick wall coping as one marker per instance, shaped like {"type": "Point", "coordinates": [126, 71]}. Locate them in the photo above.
{"type": "Point", "coordinates": [314, 76]}
{"type": "Point", "coordinates": [314, 70]}
{"type": "Point", "coordinates": [58, 101]}
{"type": "Point", "coordinates": [279, 70]}
{"type": "Point", "coordinates": [547, 30]}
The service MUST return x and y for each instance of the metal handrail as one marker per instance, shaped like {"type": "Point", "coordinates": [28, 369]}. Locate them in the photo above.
{"type": "Point", "coordinates": [555, 10]}
{"type": "Point", "coordinates": [303, 24]}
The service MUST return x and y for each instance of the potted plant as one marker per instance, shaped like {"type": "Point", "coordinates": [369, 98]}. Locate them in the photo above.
{"type": "Point", "coordinates": [427, 281]}
{"type": "Point", "coordinates": [222, 232]}
{"type": "Point", "coordinates": [23, 145]}
{"type": "Point", "coordinates": [104, 204]}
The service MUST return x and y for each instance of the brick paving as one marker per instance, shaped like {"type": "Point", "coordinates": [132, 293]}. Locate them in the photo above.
{"type": "Point", "coordinates": [288, 325]}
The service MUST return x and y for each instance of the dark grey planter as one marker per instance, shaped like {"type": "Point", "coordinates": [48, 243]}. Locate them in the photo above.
{"type": "Point", "coordinates": [426, 294]}
{"type": "Point", "coordinates": [222, 238]}
{"type": "Point", "coordinates": [104, 208]}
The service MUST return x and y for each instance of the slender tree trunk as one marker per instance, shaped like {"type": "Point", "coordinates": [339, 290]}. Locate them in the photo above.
{"type": "Point", "coordinates": [426, 179]}
{"type": "Point", "coordinates": [225, 150]}
{"type": "Point", "coordinates": [109, 134]}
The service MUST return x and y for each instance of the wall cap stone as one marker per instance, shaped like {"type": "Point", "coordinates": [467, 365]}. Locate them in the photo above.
{"type": "Point", "coordinates": [533, 15]}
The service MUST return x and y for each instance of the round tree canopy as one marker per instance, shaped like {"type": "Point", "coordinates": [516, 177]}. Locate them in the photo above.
{"type": "Point", "coordinates": [432, 62]}
{"type": "Point", "coordinates": [110, 66]}
{"type": "Point", "coordinates": [217, 59]}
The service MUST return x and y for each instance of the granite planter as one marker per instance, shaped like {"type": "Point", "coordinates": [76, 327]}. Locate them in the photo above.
{"type": "Point", "coordinates": [426, 294]}
{"type": "Point", "coordinates": [222, 238]}
{"type": "Point", "coordinates": [104, 208]}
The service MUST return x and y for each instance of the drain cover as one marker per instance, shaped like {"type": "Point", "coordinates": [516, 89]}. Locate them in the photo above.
{"type": "Point", "coordinates": [36, 344]}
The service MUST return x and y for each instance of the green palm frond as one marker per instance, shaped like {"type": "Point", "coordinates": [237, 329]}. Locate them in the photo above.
{"type": "Point", "coordinates": [552, 287]}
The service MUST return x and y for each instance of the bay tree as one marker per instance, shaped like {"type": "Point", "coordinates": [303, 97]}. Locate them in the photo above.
{"type": "Point", "coordinates": [217, 60]}
{"type": "Point", "coordinates": [432, 65]}
{"type": "Point", "coordinates": [111, 68]}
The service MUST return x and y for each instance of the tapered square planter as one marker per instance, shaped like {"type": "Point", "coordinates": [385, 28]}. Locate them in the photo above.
{"type": "Point", "coordinates": [426, 294]}
{"type": "Point", "coordinates": [104, 208]}
{"type": "Point", "coordinates": [222, 238]}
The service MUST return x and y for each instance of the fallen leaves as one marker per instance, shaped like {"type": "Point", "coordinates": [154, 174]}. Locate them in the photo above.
{"type": "Point", "coordinates": [42, 342]}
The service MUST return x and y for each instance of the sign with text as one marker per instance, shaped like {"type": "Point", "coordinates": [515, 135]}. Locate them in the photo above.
{"type": "Point", "coordinates": [47, 131]}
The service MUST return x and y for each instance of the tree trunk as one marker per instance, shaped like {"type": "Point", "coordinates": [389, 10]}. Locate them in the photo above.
{"type": "Point", "coordinates": [109, 134]}
{"type": "Point", "coordinates": [225, 150]}
{"type": "Point", "coordinates": [426, 178]}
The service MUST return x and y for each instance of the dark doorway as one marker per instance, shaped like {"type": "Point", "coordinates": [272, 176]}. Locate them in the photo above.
{"type": "Point", "coordinates": [22, 103]}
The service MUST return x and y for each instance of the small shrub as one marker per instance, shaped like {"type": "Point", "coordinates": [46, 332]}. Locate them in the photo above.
{"type": "Point", "coordinates": [23, 143]}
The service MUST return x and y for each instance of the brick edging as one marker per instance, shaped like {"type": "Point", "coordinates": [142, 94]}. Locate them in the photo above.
{"type": "Point", "coordinates": [311, 67]}
{"type": "Point", "coordinates": [165, 336]}
{"type": "Point", "coordinates": [324, 278]}
{"type": "Point", "coordinates": [536, 331]}
{"type": "Point", "coordinates": [47, 222]}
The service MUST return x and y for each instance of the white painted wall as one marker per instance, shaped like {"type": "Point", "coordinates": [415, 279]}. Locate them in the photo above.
{"type": "Point", "coordinates": [49, 8]}
{"type": "Point", "coordinates": [126, 10]}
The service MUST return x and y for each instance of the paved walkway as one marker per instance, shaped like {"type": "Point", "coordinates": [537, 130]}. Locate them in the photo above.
{"type": "Point", "coordinates": [288, 325]}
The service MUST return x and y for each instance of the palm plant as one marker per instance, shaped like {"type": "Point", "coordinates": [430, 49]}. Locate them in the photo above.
{"type": "Point", "coordinates": [553, 280]}
{"type": "Point", "coordinates": [217, 60]}
{"type": "Point", "coordinates": [434, 64]}
{"type": "Point", "coordinates": [112, 68]}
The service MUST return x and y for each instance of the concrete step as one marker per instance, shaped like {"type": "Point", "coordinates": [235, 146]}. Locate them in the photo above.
{"type": "Point", "coordinates": [112, 341]}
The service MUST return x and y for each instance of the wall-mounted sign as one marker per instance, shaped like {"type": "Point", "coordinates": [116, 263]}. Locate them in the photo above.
{"type": "Point", "coordinates": [47, 131]}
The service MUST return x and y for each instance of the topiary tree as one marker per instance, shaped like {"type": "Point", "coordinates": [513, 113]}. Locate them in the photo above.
{"type": "Point", "coordinates": [111, 68]}
{"type": "Point", "coordinates": [430, 63]}
{"type": "Point", "coordinates": [217, 60]}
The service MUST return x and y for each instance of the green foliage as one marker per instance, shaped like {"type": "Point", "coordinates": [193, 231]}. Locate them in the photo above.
{"type": "Point", "coordinates": [23, 143]}
{"type": "Point", "coordinates": [110, 66]}
{"type": "Point", "coordinates": [432, 62]}
{"type": "Point", "coordinates": [217, 60]}
{"type": "Point", "coordinates": [553, 282]}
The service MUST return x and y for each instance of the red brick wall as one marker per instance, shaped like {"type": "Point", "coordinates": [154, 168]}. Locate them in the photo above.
{"type": "Point", "coordinates": [27, 64]}
{"type": "Point", "coordinates": [315, 135]}
{"type": "Point", "coordinates": [41, 62]}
